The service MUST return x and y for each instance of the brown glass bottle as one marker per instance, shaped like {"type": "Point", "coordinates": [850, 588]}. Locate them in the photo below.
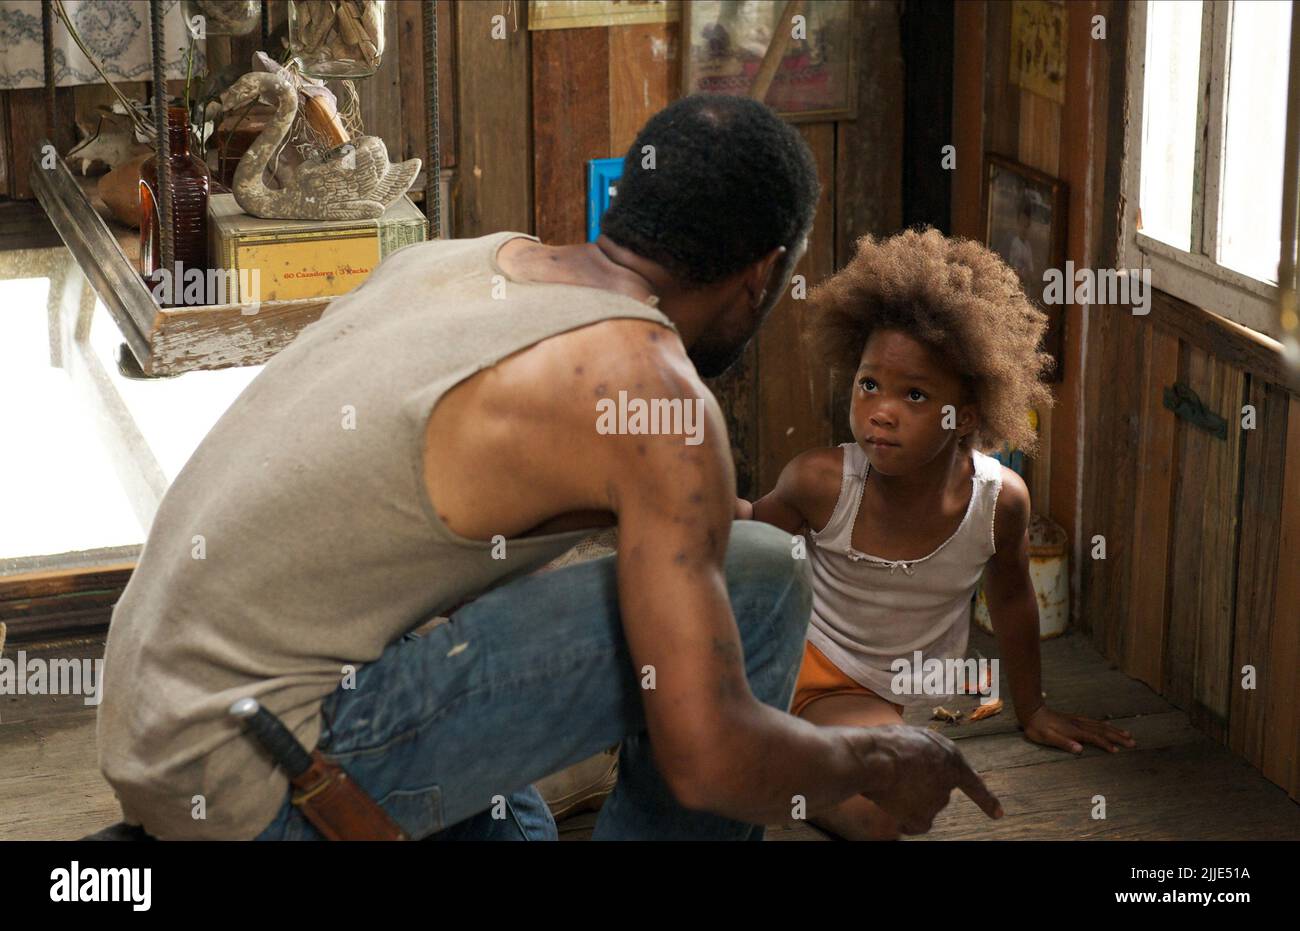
{"type": "Point", "coordinates": [189, 213]}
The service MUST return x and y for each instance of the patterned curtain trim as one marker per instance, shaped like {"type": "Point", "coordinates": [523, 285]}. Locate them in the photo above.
{"type": "Point", "coordinates": [115, 31]}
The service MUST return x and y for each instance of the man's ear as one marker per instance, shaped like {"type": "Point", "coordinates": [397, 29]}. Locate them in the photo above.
{"type": "Point", "coordinates": [759, 277]}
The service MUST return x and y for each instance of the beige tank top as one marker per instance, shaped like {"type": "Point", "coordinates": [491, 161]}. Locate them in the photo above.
{"type": "Point", "coordinates": [868, 612]}
{"type": "Point", "coordinates": [299, 537]}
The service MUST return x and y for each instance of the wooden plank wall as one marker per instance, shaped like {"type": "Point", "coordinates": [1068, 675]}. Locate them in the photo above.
{"type": "Point", "coordinates": [1064, 140]}
{"type": "Point", "coordinates": [1195, 584]}
{"type": "Point", "coordinates": [969, 112]}
{"type": "Point", "coordinates": [572, 88]}
{"type": "Point", "coordinates": [494, 181]}
{"type": "Point", "coordinates": [1026, 127]}
{"type": "Point", "coordinates": [869, 156]}
{"type": "Point", "coordinates": [990, 114]}
{"type": "Point", "coordinates": [1280, 707]}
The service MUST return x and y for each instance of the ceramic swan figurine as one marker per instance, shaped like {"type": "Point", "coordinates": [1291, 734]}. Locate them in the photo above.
{"type": "Point", "coordinates": [354, 181]}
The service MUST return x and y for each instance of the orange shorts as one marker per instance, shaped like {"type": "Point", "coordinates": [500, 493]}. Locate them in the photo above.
{"type": "Point", "coordinates": [819, 677]}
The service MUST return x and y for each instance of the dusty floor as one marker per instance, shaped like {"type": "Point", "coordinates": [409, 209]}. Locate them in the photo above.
{"type": "Point", "coordinates": [1178, 784]}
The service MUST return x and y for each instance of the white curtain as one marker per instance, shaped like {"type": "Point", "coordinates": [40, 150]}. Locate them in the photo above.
{"type": "Point", "coordinates": [116, 32]}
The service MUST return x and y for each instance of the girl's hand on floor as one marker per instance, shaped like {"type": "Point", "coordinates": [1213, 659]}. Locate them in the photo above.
{"type": "Point", "coordinates": [1070, 731]}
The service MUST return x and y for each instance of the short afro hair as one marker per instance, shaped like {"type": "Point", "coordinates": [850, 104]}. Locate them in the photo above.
{"type": "Point", "coordinates": [731, 181]}
{"type": "Point", "coordinates": [954, 296]}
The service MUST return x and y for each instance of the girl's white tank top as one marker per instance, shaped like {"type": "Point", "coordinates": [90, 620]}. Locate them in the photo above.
{"type": "Point", "coordinates": [869, 612]}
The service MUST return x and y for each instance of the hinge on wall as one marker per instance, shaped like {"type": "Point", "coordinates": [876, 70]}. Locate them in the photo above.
{"type": "Point", "coordinates": [1185, 403]}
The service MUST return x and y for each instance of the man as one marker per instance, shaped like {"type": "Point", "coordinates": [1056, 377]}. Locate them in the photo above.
{"type": "Point", "coordinates": [435, 437]}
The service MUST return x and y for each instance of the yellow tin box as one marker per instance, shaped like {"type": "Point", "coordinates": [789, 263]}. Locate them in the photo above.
{"type": "Point", "coordinates": [297, 259]}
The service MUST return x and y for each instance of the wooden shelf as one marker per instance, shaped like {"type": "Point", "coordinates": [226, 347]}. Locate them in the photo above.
{"type": "Point", "coordinates": [128, 238]}
{"type": "Point", "coordinates": [163, 340]}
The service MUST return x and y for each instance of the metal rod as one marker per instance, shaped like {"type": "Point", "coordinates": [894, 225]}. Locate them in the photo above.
{"type": "Point", "coordinates": [47, 40]}
{"type": "Point", "coordinates": [433, 142]}
{"type": "Point", "coordinates": [162, 145]}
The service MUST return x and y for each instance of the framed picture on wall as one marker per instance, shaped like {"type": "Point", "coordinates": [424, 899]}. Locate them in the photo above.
{"type": "Point", "coordinates": [577, 14]}
{"type": "Point", "coordinates": [1039, 37]}
{"type": "Point", "coordinates": [1025, 223]}
{"type": "Point", "coordinates": [801, 51]}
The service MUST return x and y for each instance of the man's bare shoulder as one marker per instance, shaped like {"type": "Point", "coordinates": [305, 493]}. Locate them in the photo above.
{"type": "Point", "coordinates": [641, 357]}
{"type": "Point", "coordinates": [633, 401]}
{"type": "Point", "coordinates": [539, 412]}
{"type": "Point", "coordinates": [566, 372]}
{"type": "Point", "coordinates": [619, 344]}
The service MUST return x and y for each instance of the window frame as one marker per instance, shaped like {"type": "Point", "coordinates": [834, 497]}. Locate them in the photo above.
{"type": "Point", "coordinates": [1192, 275]}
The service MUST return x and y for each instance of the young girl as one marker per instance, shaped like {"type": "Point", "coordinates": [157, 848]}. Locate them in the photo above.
{"type": "Point", "coordinates": [942, 347]}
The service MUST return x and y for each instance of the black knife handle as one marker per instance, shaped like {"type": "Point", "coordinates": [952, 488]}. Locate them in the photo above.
{"type": "Point", "coordinates": [271, 733]}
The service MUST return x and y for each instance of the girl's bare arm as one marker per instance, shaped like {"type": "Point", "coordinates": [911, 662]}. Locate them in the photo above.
{"type": "Point", "coordinates": [1013, 608]}
{"type": "Point", "coordinates": [799, 498]}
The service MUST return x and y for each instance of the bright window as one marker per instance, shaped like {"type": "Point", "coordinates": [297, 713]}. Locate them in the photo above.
{"type": "Point", "coordinates": [62, 476]}
{"type": "Point", "coordinates": [1208, 99]}
{"type": "Point", "coordinates": [1250, 206]}
{"type": "Point", "coordinates": [1169, 121]}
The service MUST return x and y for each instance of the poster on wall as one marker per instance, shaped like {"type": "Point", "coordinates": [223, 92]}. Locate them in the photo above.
{"type": "Point", "coordinates": [1038, 47]}
{"type": "Point", "coordinates": [575, 14]}
{"type": "Point", "coordinates": [807, 45]}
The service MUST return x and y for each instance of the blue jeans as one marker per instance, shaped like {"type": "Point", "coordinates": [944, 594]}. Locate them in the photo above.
{"type": "Point", "coordinates": [447, 730]}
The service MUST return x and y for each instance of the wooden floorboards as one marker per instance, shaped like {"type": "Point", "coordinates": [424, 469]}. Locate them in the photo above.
{"type": "Point", "coordinates": [50, 786]}
{"type": "Point", "coordinates": [1177, 785]}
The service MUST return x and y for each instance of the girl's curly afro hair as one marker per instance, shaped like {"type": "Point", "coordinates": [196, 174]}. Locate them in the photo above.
{"type": "Point", "coordinates": [954, 296]}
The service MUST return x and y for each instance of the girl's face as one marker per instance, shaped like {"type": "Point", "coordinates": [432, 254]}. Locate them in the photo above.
{"type": "Point", "coordinates": [900, 393]}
